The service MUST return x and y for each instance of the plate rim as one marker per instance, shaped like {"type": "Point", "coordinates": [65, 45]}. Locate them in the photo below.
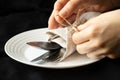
{"type": "Point", "coordinates": [38, 65]}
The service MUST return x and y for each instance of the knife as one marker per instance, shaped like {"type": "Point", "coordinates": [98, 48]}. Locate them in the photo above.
{"type": "Point", "coordinates": [45, 45]}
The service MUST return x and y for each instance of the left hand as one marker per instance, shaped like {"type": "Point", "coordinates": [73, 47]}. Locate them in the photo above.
{"type": "Point", "coordinates": [68, 9]}
{"type": "Point", "coordinates": [99, 36]}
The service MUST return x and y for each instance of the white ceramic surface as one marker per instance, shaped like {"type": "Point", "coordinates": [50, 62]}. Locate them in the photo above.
{"type": "Point", "coordinates": [17, 49]}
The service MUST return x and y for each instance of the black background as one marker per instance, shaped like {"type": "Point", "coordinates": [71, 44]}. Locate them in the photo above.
{"type": "Point", "coordinates": [17, 16]}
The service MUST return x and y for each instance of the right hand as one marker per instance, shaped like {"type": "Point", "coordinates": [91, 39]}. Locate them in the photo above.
{"type": "Point", "coordinates": [99, 36]}
{"type": "Point", "coordinates": [68, 8]}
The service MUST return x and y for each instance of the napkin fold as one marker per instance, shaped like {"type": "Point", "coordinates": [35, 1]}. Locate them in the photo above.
{"type": "Point", "coordinates": [63, 36]}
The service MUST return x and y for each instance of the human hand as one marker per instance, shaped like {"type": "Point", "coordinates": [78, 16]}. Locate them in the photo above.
{"type": "Point", "coordinates": [68, 9]}
{"type": "Point", "coordinates": [100, 36]}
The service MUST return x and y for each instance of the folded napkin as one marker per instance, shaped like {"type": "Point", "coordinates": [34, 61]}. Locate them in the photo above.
{"type": "Point", "coordinates": [63, 36]}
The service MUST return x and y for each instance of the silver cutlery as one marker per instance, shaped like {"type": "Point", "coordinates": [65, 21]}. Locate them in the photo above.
{"type": "Point", "coordinates": [45, 45]}
{"type": "Point", "coordinates": [55, 51]}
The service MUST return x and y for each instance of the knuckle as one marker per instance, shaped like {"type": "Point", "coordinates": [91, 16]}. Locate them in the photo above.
{"type": "Point", "coordinates": [93, 32]}
{"type": "Point", "coordinates": [106, 50]}
{"type": "Point", "coordinates": [98, 43]}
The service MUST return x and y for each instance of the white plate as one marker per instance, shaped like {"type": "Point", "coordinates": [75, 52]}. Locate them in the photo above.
{"type": "Point", "coordinates": [17, 49]}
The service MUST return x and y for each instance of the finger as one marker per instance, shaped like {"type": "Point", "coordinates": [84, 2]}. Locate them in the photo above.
{"type": "Point", "coordinates": [52, 24]}
{"type": "Point", "coordinates": [83, 48]}
{"type": "Point", "coordinates": [99, 53]}
{"type": "Point", "coordinates": [69, 8]}
{"type": "Point", "coordinates": [90, 46]}
{"type": "Point", "coordinates": [60, 20]}
{"type": "Point", "coordinates": [63, 21]}
{"type": "Point", "coordinates": [82, 36]}
{"type": "Point", "coordinates": [71, 19]}
{"type": "Point", "coordinates": [59, 4]}
{"type": "Point", "coordinates": [113, 55]}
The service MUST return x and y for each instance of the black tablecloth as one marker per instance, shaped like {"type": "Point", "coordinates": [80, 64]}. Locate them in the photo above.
{"type": "Point", "coordinates": [17, 16]}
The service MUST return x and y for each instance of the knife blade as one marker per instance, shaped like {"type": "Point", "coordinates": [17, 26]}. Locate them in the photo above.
{"type": "Point", "coordinates": [45, 45]}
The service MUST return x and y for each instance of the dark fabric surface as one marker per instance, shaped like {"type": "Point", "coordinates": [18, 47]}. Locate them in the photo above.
{"type": "Point", "coordinates": [17, 16]}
